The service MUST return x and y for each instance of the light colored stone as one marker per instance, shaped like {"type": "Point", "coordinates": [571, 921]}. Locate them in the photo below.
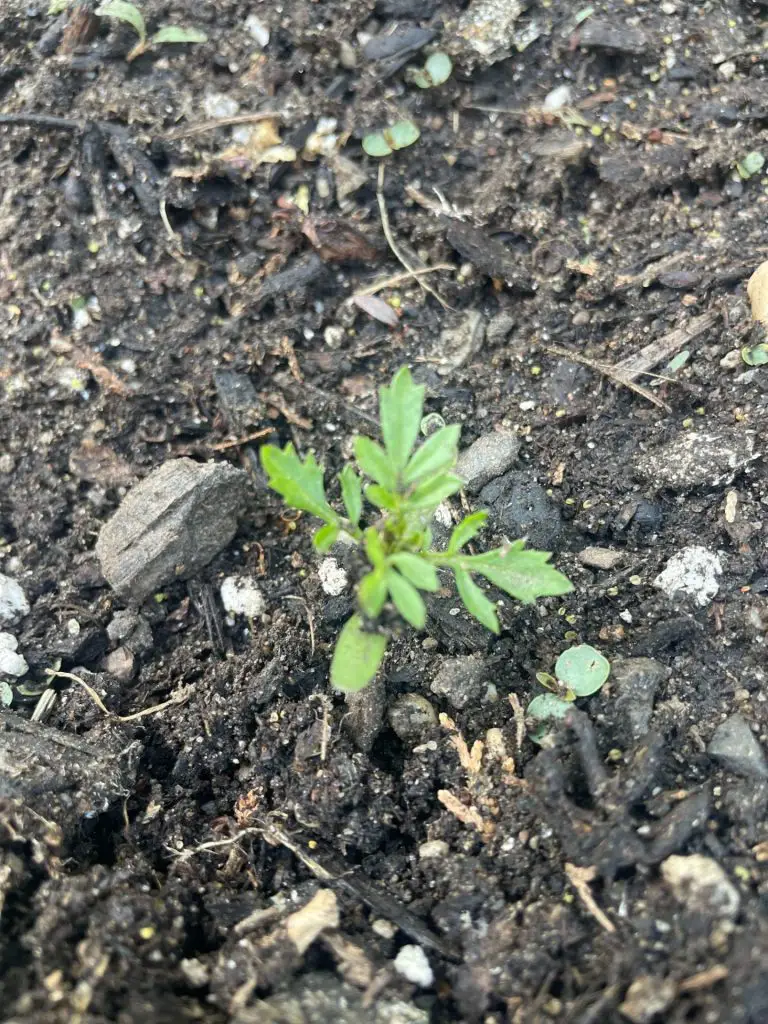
{"type": "Point", "coordinates": [488, 457]}
{"type": "Point", "coordinates": [11, 663]}
{"type": "Point", "coordinates": [694, 572]}
{"type": "Point", "coordinates": [735, 747]}
{"type": "Point", "coordinates": [257, 30]}
{"type": "Point", "coordinates": [241, 595]}
{"type": "Point", "coordinates": [647, 997]}
{"type": "Point", "coordinates": [433, 849]}
{"type": "Point", "coordinates": [600, 558]}
{"type": "Point", "coordinates": [13, 602]}
{"type": "Point", "coordinates": [333, 577]}
{"type": "Point", "coordinates": [698, 458]}
{"type": "Point", "coordinates": [412, 963]}
{"type": "Point", "coordinates": [701, 885]}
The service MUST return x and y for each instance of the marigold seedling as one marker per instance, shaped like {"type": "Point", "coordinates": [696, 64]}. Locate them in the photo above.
{"type": "Point", "coordinates": [436, 71]}
{"type": "Point", "coordinates": [397, 136]}
{"type": "Point", "coordinates": [404, 483]}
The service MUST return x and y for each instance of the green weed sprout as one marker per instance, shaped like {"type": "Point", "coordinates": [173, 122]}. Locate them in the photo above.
{"type": "Point", "coordinates": [436, 71]}
{"type": "Point", "coordinates": [130, 14]}
{"type": "Point", "coordinates": [579, 672]}
{"type": "Point", "coordinates": [397, 136]}
{"type": "Point", "coordinates": [405, 484]}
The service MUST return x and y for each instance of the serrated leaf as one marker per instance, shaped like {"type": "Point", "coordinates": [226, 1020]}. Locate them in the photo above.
{"type": "Point", "coordinates": [374, 462]}
{"type": "Point", "coordinates": [547, 706]}
{"type": "Point", "coordinates": [583, 669]}
{"type": "Point", "coordinates": [438, 453]}
{"type": "Point", "coordinates": [372, 592]}
{"type": "Point", "coordinates": [357, 656]}
{"type": "Point", "coordinates": [476, 602]}
{"type": "Point", "coordinates": [418, 571]}
{"type": "Point", "coordinates": [400, 407]}
{"type": "Point", "coordinates": [177, 34]}
{"type": "Point", "coordinates": [326, 537]}
{"type": "Point", "coordinates": [381, 497]}
{"type": "Point", "coordinates": [300, 484]}
{"type": "Point", "coordinates": [351, 494]}
{"type": "Point", "coordinates": [374, 547]}
{"type": "Point", "coordinates": [123, 11]}
{"type": "Point", "coordinates": [522, 573]}
{"type": "Point", "coordinates": [429, 494]}
{"type": "Point", "coordinates": [464, 531]}
{"type": "Point", "coordinates": [406, 599]}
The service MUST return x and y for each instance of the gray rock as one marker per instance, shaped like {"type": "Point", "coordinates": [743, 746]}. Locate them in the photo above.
{"type": "Point", "coordinates": [693, 572]}
{"type": "Point", "coordinates": [520, 507]}
{"type": "Point", "coordinates": [412, 717]}
{"type": "Point", "coordinates": [600, 558]}
{"type": "Point", "coordinates": [734, 746]}
{"type": "Point", "coordinates": [13, 602]}
{"type": "Point", "coordinates": [170, 525]}
{"type": "Point", "coordinates": [635, 681]}
{"type": "Point", "coordinates": [461, 681]}
{"type": "Point", "coordinates": [601, 34]}
{"type": "Point", "coordinates": [701, 885]}
{"type": "Point", "coordinates": [486, 29]}
{"type": "Point", "coordinates": [121, 663]}
{"type": "Point", "coordinates": [486, 459]}
{"type": "Point", "coordinates": [698, 458]}
{"type": "Point", "coordinates": [317, 998]}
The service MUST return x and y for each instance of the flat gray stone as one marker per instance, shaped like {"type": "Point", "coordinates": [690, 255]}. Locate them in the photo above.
{"type": "Point", "coordinates": [170, 525]}
{"type": "Point", "coordinates": [635, 681]}
{"type": "Point", "coordinates": [698, 458]}
{"type": "Point", "coordinates": [460, 681]}
{"type": "Point", "coordinates": [734, 746]}
{"type": "Point", "coordinates": [490, 456]}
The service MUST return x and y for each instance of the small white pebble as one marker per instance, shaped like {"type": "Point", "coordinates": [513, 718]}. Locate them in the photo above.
{"type": "Point", "coordinates": [433, 849]}
{"type": "Point", "coordinates": [13, 602]}
{"type": "Point", "coordinates": [11, 663]}
{"type": "Point", "coordinates": [558, 98]}
{"type": "Point", "coordinates": [333, 578]}
{"type": "Point", "coordinates": [412, 963]}
{"type": "Point", "coordinates": [242, 596]}
{"type": "Point", "coordinates": [257, 30]}
{"type": "Point", "coordinates": [384, 928]}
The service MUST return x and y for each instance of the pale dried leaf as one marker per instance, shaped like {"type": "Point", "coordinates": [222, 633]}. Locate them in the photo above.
{"type": "Point", "coordinates": [306, 924]}
{"type": "Point", "coordinates": [757, 290]}
{"type": "Point", "coordinates": [377, 308]}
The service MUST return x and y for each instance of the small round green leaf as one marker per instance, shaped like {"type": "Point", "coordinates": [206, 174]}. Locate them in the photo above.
{"type": "Point", "coordinates": [757, 356]}
{"type": "Point", "coordinates": [376, 145]}
{"type": "Point", "coordinates": [439, 67]}
{"type": "Point", "coordinates": [582, 669]}
{"type": "Point", "coordinates": [400, 135]}
{"type": "Point", "coordinates": [751, 164]}
{"type": "Point", "coordinates": [547, 706]}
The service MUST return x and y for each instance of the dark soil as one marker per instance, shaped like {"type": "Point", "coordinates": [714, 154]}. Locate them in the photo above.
{"type": "Point", "coordinates": [131, 852]}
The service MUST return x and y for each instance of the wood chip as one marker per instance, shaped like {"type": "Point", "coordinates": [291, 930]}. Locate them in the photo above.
{"type": "Point", "coordinates": [306, 924]}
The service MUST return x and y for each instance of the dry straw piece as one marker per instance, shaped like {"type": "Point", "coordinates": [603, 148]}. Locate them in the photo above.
{"type": "Point", "coordinates": [757, 290]}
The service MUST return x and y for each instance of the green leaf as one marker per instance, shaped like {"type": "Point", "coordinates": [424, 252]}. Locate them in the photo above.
{"type": "Point", "coordinates": [57, 6]}
{"type": "Point", "coordinates": [751, 164]}
{"type": "Point", "coordinates": [418, 571]}
{"type": "Point", "coordinates": [374, 462]}
{"type": "Point", "coordinates": [300, 484]}
{"type": "Point", "coordinates": [326, 537]}
{"type": "Point", "coordinates": [123, 11]}
{"type": "Point", "coordinates": [439, 67]}
{"type": "Point", "coordinates": [401, 134]}
{"type": "Point", "coordinates": [376, 145]}
{"type": "Point", "coordinates": [176, 34]}
{"type": "Point", "coordinates": [381, 497]}
{"type": "Point", "coordinates": [438, 453]}
{"type": "Point", "coordinates": [374, 547]}
{"type": "Point", "coordinates": [583, 669]}
{"type": "Point", "coordinates": [372, 592]}
{"type": "Point", "coordinates": [429, 495]}
{"type": "Point", "coordinates": [757, 356]}
{"type": "Point", "coordinates": [400, 407]}
{"type": "Point", "coordinates": [351, 493]}
{"type": "Point", "coordinates": [407, 599]}
{"type": "Point", "coordinates": [521, 573]}
{"type": "Point", "coordinates": [464, 531]}
{"type": "Point", "coordinates": [476, 602]}
{"type": "Point", "coordinates": [547, 706]}
{"type": "Point", "coordinates": [357, 656]}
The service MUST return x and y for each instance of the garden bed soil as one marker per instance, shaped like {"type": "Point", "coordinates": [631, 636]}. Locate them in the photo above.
{"type": "Point", "coordinates": [158, 866]}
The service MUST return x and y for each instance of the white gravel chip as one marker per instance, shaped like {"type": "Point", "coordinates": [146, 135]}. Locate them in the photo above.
{"type": "Point", "coordinates": [692, 571]}
{"type": "Point", "coordinates": [11, 663]}
{"type": "Point", "coordinates": [241, 596]}
{"type": "Point", "coordinates": [13, 602]}
{"type": "Point", "coordinates": [333, 578]}
{"type": "Point", "coordinates": [412, 963]}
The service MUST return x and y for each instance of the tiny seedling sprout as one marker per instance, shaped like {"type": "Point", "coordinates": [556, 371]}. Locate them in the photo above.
{"type": "Point", "coordinates": [579, 672]}
{"type": "Point", "coordinates": [130, 14]}
{"type": "Point", "coordinates": [404, 484]}
{"type": "Point", "coordinates": [397, 136]}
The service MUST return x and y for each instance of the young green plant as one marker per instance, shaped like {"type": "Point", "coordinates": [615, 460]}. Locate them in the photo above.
{"type": "Point", "coordinates": [579, 672]}
{"type": "Point", "coordinates": [404, 484]}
